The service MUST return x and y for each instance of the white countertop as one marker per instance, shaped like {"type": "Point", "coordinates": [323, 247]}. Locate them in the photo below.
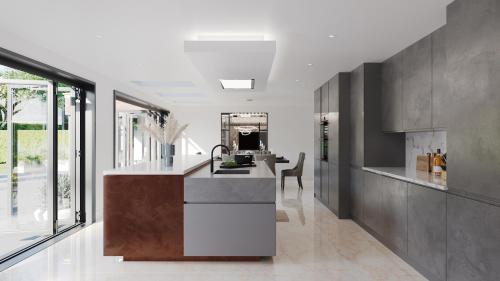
{"type": "Point", "coordinates": [183, 164]}
{"type": "Point", "coordinates": [260, 171]}
{"type": "Point", "coordinates": [410, 175]}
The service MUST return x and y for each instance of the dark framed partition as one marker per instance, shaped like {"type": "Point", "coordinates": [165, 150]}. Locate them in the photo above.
{"type": "Point", "coordinates": [47, 129]}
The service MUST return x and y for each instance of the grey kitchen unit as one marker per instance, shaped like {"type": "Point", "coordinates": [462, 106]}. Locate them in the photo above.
{"type": "Point", "coordinates": [333, 143]}
{"type": "Point", "coordinates": [427, 231]}
{"type": "Point", "coordinates": [385, 208]}
{"type": "Point", "coordinates": [417, 86]}
{"type": "Point", "coordinates": [392, 94]}
{"type": "Point", "coordinates": [369, 145]}
{"type": "Point", "coordinates": [473, 232]}
{"type": "Point", "coordinates": [408, 218]}
{"type": "Point", "coordinates": [473, 73]}
{"type": "Point", "coordinates": [230, 214]}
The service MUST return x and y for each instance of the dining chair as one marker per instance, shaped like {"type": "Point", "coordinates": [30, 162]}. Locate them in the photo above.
{"type": "Point", "coordinates": [294, 172]}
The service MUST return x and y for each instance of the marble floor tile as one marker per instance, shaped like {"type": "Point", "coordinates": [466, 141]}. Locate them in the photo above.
{"type": "Point", "coordinates": [313, 245]}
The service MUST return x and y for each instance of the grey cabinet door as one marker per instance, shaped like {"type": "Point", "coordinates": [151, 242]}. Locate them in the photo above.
{"type": "Point", "coordinates": [357, 193]}
{"type": "Point", "coordinates": [417, 85]}
{"type": "Point", "coordinates": [324, 99]}
{"type": "Point", "coordinates": [333, 145]}
{"type": "Point", "coordinates": [440, 87]}
{"type": "Point", "coordinates": [317, 142]}
{"type": "Point", "coordinates": [229, 229]}
{"type": "Point", "coordinates": [324, 182]}
{"type": "Point", "coordinates": [427, 231]}
{"type": "Point", "coordinates": [473, 237]}
{"type": "Point", "coordinates": [473, 70]}
{"type": "Point", "coordinates": [372, 207]}
{"type": "Point", "coordinates": [394, 213]}
{"type": "Point", "coordinates": [357, 117]}
{"type": "Point", "coordinates": [392, 87]}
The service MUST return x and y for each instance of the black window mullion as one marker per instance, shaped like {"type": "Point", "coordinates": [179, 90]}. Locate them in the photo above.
{"type": "Point", "coordinates": [55, 171]}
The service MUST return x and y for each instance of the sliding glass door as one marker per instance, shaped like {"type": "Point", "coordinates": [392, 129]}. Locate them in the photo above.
{"type": "Point", "coordinates": [39, 172]}
{"type": "Point", "coordinates": [25, 191]}
{"type": "Point", "coordinates": [68, 114]}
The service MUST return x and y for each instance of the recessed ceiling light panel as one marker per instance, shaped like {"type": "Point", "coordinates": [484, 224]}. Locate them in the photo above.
{"type": "Point", "coordinates": [237, 84]}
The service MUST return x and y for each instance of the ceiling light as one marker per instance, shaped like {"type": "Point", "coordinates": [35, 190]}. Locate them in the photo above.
{"type": "Point", "coordinates": [98, 36]}
{"type": "Point", "coordinates": [309, 64]}
{"type": "Point", "coordinates": [332, 36]}
{"type": "Point", "coordinates": [297, 80]}
{"type": "Point", "coordinates": [237, 84]}
{"type": "Point", "coordinates": [230, 37]}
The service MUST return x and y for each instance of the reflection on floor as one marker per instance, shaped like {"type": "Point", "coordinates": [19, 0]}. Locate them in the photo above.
{"type": "Point", "coordinates": [313, 245]}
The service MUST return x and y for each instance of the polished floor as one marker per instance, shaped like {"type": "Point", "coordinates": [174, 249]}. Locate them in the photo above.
{"type": "Point", "coordinates": [313, 245]}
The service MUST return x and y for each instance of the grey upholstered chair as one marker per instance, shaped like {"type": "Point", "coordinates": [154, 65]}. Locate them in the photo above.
{"type": "Point", "coordinates": [270, 160]}
{"type": "Point", "coordinates": [294, 172]}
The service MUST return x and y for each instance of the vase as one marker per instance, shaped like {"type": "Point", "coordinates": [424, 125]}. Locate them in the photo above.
{"type": "Point", "coordinates": [167, 154]}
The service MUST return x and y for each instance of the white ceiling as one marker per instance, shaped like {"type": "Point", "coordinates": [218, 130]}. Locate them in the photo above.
{"type": "Point", "coordinates": [143, 41]}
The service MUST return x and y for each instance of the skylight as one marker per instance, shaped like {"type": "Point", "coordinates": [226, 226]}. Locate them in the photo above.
{"type": "Point", "coordinates": [237, 84]}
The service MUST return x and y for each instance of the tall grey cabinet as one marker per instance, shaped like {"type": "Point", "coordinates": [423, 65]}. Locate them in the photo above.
{"type": "Point", "coordinates": [370, 146]}
{"type": "Point", "coordinates": [332, 142]}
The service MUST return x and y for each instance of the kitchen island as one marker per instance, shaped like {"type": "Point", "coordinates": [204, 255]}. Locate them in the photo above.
{"type": "Point", "coordinates": [184, 212]}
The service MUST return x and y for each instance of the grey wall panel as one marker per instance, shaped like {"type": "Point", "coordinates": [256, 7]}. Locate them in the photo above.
{"type": "Point", "coordinates": [392, 87]}
{"type": "Point", "coordinates": [417, 85]}
{"type": "Point", "coordinates": [229, 229]}
{"type": "Point", "coordinates": [473, 73]}
{"type": "Point", "coordinates": [427, 231]}
{"type": "Point", "coordinates": [473, 235]}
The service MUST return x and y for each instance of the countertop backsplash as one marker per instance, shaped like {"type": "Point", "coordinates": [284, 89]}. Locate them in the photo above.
{"type": "Point", "coordinates": [421, 143]}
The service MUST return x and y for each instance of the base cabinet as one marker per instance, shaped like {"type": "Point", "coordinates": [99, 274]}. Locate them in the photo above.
{"type": "Point", "coordinates": [230, 230]}
{"type": "Point", "coordinates": [427, 231]}
{"type": "Point", "coordinates": [357, 193]}
{"type": "Point", "coordinates": [385, 208]}
{"type": "Point", "coordinates": [473, 237]}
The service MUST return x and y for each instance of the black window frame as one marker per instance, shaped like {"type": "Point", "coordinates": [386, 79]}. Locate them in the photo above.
{"type": "Point", "coordinates": [23, 63]}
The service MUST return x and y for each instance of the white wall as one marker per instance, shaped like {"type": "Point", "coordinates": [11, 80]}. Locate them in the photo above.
{"type": "Point", "coordinates": [104, 103]}
{"type": "Point", "coordinates": [290, 128]}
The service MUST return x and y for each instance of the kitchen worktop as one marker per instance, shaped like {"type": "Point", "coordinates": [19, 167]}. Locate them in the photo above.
{"type": "Point", "coordinates": [183, 164]}
{"type": "Point", "coordinates": [257, 186]}
{"type": "Point", "coordinates": [410, 175]}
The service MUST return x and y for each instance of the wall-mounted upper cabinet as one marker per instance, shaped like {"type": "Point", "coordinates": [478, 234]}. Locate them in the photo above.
{"type": "Point", "coordinates": [440, 87]}
{"type": "Point", "coordinates": [414, 88]}
{"type": "Point", "coordinates": [417, 86]}
{"type": "Point", "coordinates": [392, 94]}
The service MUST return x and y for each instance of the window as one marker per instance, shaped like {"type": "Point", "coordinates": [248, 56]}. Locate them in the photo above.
{"type": "Point", "coordinates": [133, 145]}
{"type": "Point", "coordinates": [41, 165]}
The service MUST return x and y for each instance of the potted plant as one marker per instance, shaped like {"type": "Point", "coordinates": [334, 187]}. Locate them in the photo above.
{"type": "Point", "coordinates": [166, 133]}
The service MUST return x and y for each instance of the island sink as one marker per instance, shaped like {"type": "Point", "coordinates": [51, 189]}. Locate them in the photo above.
{"type": "Point", "coordinates": [232, 172]}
